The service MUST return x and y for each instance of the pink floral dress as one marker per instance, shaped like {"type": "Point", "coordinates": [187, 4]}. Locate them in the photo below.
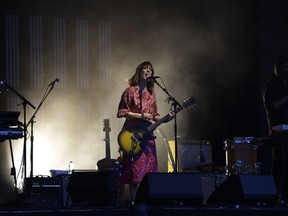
{"type": "Point", "coordinates": [135, 167]}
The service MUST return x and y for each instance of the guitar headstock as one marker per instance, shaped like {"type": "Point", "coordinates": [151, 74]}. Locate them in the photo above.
{"type": "Point", "coordinates": [106, 125]}
{"type": "Point", "coordinates": [189, 102]}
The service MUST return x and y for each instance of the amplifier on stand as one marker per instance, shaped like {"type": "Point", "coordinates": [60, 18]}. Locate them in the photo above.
{"type": "Point", "coordinates": [191, 154]}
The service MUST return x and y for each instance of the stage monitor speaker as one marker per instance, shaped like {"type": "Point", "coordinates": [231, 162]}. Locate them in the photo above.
{"type": "Point", "coordinates": [92, 188]}
{"type": "Point", "coordinates": [245, 189]}
{"type": "Point", "coordinates": [170, 189]}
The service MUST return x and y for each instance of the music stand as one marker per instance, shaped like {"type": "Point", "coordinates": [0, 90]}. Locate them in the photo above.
{"type": "Point", "coordinates": [4, 84]}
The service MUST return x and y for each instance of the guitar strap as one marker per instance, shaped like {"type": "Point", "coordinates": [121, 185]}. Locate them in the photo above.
{"type": "Point", "coordinates": [123, 127]}
{"type": "Point", "coordinates": [140, 96]}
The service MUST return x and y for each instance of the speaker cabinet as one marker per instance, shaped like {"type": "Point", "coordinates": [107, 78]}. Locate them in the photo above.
{"type": "Point", "coordinates": [92, 188]}
{"type": "Point", "coordinates": [248, 189]}
{"type": "Point", "coordinates": [210, 181]}
{"type": "Point", "coordinates": [170, 188]}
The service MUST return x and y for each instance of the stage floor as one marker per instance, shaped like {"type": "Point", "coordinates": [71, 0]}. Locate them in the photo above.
{"type": "Point", "coordinates": [149, 210]}
{"type": "Point", "coordinates": [122, 207]}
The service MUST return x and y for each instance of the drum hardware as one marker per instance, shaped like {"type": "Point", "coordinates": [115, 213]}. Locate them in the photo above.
{"type": "Point", "coordinates": [241, 156]}
{"type": "Point", "coordinates": [257, 166]}
{"type": "Point", "coordinates": [244, 139]}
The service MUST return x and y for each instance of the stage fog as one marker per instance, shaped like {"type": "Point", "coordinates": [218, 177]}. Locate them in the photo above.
{"type": "Point", "coordinates": [205, 50]}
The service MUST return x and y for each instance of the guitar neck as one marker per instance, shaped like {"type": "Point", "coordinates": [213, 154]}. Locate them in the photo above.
{"type": "Point", "coordinates": [107, 141]}
{"type": "Point", "coordinates": [161, 121]}
{"type": "Point", "coordinates": [107, 130]}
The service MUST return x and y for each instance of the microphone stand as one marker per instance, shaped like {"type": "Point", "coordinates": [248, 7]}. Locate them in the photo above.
{"type": "Point", "coordinates": [47, 92]}
{"type": "Point", "coordinates": [175, 103]}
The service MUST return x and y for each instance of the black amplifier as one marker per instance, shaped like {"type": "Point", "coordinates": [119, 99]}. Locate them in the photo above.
{"type": "Point", "coordinates": [46, 191]}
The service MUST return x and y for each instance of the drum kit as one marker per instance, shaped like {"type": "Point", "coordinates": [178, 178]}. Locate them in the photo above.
{"type": "Point", "coordinates": [242, 156]}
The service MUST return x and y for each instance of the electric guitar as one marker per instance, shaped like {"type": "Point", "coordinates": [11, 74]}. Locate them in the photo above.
{"type": "Point", "coordinates": [106, 163]}
{"type": "Point", "coordinates": [133, 141]}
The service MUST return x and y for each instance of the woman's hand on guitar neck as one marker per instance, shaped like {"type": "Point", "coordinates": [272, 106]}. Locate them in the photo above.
{"type": "Point", "coordinates": [171, 116]}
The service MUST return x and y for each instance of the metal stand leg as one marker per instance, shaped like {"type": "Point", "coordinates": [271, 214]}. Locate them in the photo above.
{"type": "Point", "coordinates": [13, 170]}
{"type": "Point", "coordinates": [284, 174]}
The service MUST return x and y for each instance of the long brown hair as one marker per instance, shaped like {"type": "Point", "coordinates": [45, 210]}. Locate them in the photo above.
{"type": "Point", "coordinates": [135, 79]}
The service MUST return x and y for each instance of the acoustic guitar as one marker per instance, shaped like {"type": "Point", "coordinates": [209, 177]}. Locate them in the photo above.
{"type": "Point", "coordinates": [132, 141]}
{"type": "Point", "coordinates": [107, 163]}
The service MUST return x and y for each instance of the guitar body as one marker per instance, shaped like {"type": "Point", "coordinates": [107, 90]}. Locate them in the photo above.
{"type": "Point", "coordinates": [130, 141]}
{"type": "Point", "coordinates": [111, 164]}
{"type": "Point", "coordinates": [106, 164]}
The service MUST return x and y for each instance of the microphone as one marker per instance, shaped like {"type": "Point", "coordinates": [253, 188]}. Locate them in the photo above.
{"type": "Point", "coordinates": [153, 77]}
{"type": "Point", "coordinates": [54, 82]}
